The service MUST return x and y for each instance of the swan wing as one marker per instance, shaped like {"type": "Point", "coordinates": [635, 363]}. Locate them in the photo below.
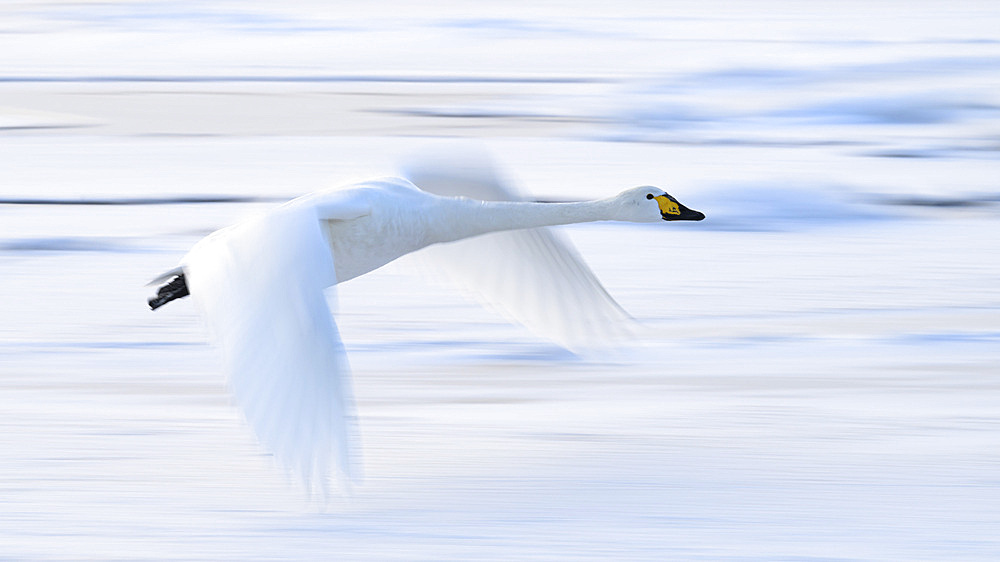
{"type": "Point", "coordinates": [533, 276]}
{"type": "Point", "coordinates": [260, 287]}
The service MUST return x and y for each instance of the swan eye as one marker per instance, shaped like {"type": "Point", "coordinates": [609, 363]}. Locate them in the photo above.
{"type": "Point", "coordinates": [649, 196]}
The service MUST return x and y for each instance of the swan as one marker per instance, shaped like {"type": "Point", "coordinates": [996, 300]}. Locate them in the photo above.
{"type": "Point", "coordinates": [259, 286]}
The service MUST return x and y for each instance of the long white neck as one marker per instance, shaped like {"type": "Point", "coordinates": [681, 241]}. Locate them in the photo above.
{"type": "Point", "coordinates": [471, 218]}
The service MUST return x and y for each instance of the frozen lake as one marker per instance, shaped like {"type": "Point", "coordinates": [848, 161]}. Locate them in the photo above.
{"type": "Point", "coordinates": [818, 370]}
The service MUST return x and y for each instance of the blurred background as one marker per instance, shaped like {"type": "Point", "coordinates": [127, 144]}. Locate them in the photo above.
{"type": "Point", "coordinates": [817, 375]}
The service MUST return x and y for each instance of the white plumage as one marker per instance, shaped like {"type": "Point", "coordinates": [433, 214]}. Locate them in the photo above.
{"type": "Point", "coordinates": [532, 275]}
{"type": "Point", "coordinates": [260, 286]}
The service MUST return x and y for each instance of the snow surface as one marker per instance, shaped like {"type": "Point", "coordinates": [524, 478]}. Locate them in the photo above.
{"type": "Point", "coordinates": [817, 378]}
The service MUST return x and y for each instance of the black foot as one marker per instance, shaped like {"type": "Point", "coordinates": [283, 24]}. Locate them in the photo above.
{"type": "Point", "coordinates": [175, 289]}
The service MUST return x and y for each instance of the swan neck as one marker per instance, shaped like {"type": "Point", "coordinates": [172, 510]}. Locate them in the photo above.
{"type": "Point", "coordinates": [482, 217]}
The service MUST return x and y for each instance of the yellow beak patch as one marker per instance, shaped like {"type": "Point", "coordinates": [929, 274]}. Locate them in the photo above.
{"type": "Point", "coordinates": [667, 205]}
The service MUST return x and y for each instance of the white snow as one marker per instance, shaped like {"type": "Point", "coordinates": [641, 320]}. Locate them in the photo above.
{"type": "Point", "coordinates": [817, 378]}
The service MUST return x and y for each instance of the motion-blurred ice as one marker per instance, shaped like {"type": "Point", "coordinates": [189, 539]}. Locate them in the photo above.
{"type": "Point", "coordinates": [817, 378]}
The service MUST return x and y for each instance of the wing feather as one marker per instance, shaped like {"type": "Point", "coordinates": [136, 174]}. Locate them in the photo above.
{"type": "Point", "coordinates": [534, 276]}
{"type": "Point", "coordinates": [260, 287]}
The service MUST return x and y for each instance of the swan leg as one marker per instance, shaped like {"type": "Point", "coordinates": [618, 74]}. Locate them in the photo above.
{"type": "Point", "coordinates": [175, 289]}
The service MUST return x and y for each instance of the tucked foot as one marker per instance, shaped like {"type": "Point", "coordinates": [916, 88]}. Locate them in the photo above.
{"type": "Point", "coordinates": [175, 289]}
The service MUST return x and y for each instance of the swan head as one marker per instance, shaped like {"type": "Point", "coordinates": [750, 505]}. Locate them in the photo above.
{"type": "Point", "coordinates": [652, 204]}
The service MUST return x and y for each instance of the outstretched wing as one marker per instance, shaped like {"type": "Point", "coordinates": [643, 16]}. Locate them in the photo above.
{"type": "Point", "coordinates": [534, 276]}
{"type": "Point", "coordinates": [260, 287]}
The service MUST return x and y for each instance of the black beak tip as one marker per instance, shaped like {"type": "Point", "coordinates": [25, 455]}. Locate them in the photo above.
{"type": "Point", "coordinates": [685, 215]}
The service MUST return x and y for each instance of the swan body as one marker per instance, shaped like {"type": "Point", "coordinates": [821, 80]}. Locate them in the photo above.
{"type": "Point", "coordinates": [260, 287]}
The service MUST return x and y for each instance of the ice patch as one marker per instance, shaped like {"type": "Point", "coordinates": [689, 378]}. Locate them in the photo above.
{"type": "Point", "coordinates": [762, 207]}
{"type": "Point", "coordinates": [773, 78]}
{"type": "Point", "coordinates": [821, 104]}
{"type": "Point", "coordinates": [892, 110]}
{"type": "Point", "coordinates": [502, 25]}
{"type": "Point", "coordinates": [19, 118]}
{"type": "Point", "coordinates": [164, 16]}
{"type": "Point", "coordinates": [69, 244]}
{"type": "Point", "coordinates": [168, 200]}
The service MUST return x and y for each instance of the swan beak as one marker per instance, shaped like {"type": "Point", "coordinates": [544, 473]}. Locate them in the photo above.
{"type": "Point", "coordinates": [672, 210]}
